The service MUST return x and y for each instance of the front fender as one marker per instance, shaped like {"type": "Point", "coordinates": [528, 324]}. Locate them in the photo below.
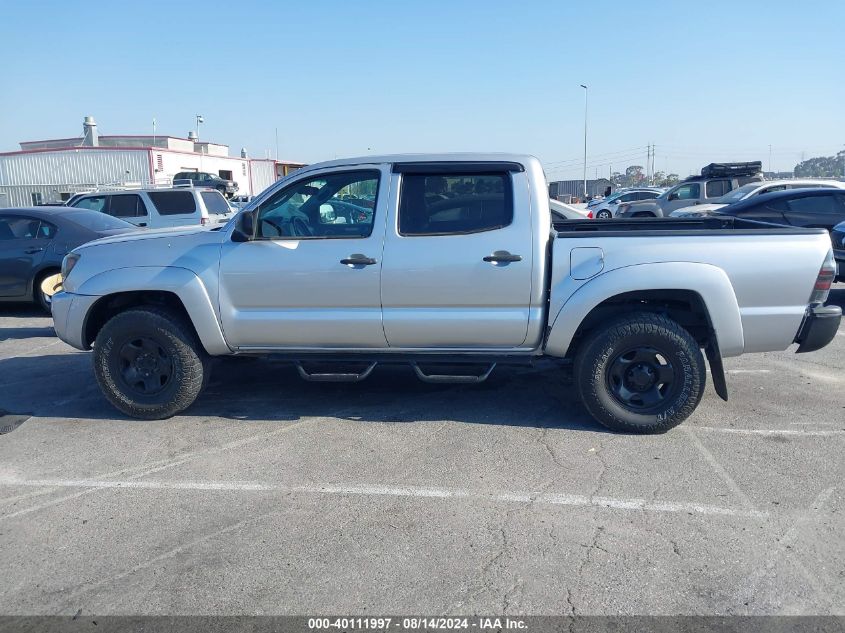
{"type": "Point", "coordinates": [709, 282]}
{"type": "Point", "coordinates": [180, 281]}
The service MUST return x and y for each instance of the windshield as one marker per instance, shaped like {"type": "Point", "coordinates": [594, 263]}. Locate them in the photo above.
{"type": "Point", "coordinates": [96, 221]}
{"type": "Point", "coordinates": [737, 194]}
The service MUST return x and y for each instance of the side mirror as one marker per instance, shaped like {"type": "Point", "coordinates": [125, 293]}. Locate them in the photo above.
{"type": "Point", "coordinates": [244, 228]}
{"type": "Point", "coordinates": [673, 196]}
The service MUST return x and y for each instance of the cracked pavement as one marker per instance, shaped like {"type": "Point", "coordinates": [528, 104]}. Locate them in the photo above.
{"type": "Point", "coordinates": [275, 496]}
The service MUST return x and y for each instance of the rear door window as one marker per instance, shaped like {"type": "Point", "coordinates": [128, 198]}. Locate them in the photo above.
{"type": "Point", "coordinates": [454, 204]}
{"type": "Point", "coordinates": [816, 205]}
{"type": "Point", "coordinates": [173, 202]}
{"type": "Point", "coordinates": [717, 188]}
{"type": "Point", "coordinates": [647, 195]}
{"type": "Point", "coordinates": [127, 206]}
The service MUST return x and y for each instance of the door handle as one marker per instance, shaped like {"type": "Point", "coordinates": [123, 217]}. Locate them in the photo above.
{"type": "Point", "coordinates": [357, 259]}
{"type": "Point", "coordinates": [502, 257]}
{"type": "Point", "coordinates": [32, 251]}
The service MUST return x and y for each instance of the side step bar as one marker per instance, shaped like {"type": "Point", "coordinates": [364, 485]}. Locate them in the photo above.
{"type": "Point", "coordinates": [451, 378]}
{"type": "Point", "coordinates": [334, 377]}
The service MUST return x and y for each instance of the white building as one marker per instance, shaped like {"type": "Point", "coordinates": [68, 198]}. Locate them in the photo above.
{"type": "Point", "coordinates": [53, 170]}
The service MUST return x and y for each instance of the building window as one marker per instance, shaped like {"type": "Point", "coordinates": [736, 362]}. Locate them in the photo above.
{"type": "Point", "coordinates": [36, 198]}
{"type": "Point", "coordinates": [159, 163]}
{"type": "Point", "coordinates": [243, 168]}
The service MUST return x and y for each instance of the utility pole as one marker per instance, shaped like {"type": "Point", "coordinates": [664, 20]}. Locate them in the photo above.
{"type": "Point", "coordinates": [770, 159]}
{"type": "Point", "coordinates": [585, 139]}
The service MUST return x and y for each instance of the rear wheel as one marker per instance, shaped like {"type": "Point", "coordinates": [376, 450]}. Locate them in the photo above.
{"type": "Point", "coordinates": [604, 214]}
{"type": "Point", "coordinates": [644, 373]}
{"type": "Point", "coordinates": [149, 363]}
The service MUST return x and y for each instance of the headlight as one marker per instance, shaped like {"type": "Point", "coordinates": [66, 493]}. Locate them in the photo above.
{"type": "Point", "coordinates": [68, 263]}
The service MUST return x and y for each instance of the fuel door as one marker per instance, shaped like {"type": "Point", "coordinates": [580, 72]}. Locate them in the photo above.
{"type": "Point", "coordinates": [585, 262]}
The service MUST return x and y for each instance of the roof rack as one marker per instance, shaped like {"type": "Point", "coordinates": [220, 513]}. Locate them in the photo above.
{"type": "Point", "coordinates": [717, 170]}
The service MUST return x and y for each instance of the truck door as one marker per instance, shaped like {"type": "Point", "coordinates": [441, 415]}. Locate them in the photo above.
{"type": "Point", "coordinates": [458, 257]}
{"type": "Point", "coordinates": [683, 196]}
{"type": "Point", "coordinates": [310, 279]}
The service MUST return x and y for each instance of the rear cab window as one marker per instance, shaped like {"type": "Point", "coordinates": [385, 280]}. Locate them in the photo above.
{"type": "Point", "coordinates": [126, 206]}
{"type": "Point", "coordinates": [454, 203]}
{"type": "Point", "coordinates": [173, 202]}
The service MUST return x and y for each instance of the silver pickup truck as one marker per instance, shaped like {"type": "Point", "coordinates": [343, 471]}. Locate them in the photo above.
{"type": "Point", "coordinates": [453, 264]}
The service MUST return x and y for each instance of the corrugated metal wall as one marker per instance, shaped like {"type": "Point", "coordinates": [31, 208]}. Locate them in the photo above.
{"type": "Point", "coordinates": [575, 188]}
{"type": "Point", "coordinates": [50, 173]}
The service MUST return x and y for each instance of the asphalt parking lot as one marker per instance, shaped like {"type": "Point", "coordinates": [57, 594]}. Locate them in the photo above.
{"type": "Point", "coordinates": [276, 496]}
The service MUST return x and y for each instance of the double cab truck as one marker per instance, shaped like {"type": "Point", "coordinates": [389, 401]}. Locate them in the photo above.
{"type": "Point", "coordinates": [453, 264]}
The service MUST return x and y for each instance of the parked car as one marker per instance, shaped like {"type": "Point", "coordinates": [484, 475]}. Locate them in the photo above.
{"type": "Point", "coordinates": [239, 202]}
{"type": "Point", "coordinates": [33, 242]}
{"type": "Point", "coordinates": [205, 179]}
{"type": "Point", "coordinates": [160, 208]}
{"type": "Point", "coordinates": [837, 237]}
{"type": "Point", "coordinates": [457, 265]}
{"type": "Point", "coordinates": [806, 208]}
{"type": "Point", "coordinates": [604, 209]}
{"type": "Point", "coordinates": [563, 211]}
{"type": "Point", "coordinates": [756, 189]}
{"type": "Point", "coordinates": [716, 180]}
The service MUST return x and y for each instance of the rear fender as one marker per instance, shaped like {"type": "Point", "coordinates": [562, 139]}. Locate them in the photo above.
{"type": "Point", "coordinates": [709, 282]}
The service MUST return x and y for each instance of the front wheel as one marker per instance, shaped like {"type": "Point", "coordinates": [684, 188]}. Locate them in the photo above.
{"type": "Point", "coordinates": [149, 363]}
{"type": "Point", "coordinates": [642, 373]}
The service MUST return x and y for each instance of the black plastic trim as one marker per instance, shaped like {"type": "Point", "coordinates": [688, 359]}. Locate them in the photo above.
{"type": "Point", "coordinates": [818, 328]}
{"type": "Point", "coordinates": [456, 167]}
{"type": "Point", "coordinates": [399, 357]}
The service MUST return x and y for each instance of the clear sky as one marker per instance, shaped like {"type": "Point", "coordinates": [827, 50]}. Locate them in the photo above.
{"type": "Point", "coordinates": [703, 81]}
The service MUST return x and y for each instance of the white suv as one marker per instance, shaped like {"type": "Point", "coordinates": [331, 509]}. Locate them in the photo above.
{"type": "Point", "coordinates": [160, 208]}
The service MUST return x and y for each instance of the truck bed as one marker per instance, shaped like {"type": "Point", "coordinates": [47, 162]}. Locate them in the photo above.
{"type": "Point", "coordinates": [677, 226]}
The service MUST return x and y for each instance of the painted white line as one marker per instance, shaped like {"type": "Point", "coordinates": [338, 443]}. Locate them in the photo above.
{"type": "Point", "coordinates": [33, 350]}
{"type": "Point", "coordinates": [717, 429]}
{"type": "Point", "coordinates": [149, 469]}
{"type": "Point", "coordinates": [550, 499]}
{"type": "Point", "coordinates": [719, 469]}
{"type": "Point", "coordinates": [746, 371]}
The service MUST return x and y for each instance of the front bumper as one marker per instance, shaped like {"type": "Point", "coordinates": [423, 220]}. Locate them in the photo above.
{"type": "Point", "coordinates": [69, 315]}
{"type": "Point", "coordinates": [818, 328]}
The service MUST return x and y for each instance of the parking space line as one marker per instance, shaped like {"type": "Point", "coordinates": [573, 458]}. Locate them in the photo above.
{"type": "Point", "coordinates": [714, 463]}
{"type": "Point", "coordinates": [149, 470]}
{"type": "Point", "coordinates": [716, 429]}
{"type": "Point", "coordinates": [550, 499]}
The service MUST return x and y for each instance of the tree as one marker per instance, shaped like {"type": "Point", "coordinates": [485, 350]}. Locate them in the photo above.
{"type": "Point", "coordinates": [822, 167]}
{"type": "Point", "coordinates": [634, 175]}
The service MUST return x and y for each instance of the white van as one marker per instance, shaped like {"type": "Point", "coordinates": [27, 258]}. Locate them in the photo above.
{"type": "Point", "coordinates": [160, 208]}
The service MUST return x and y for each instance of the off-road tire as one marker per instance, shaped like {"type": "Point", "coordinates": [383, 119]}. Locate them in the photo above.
{"type": "Point", "coordinates": [604, 346]}
{"type": "Point", "coordinates": [190, 365]}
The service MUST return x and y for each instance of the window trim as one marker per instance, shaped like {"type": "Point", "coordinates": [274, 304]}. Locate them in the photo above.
{"type": "Point", "coordinates": [509, 195]}
{"type": "Point", "coordinates": [256, 237]}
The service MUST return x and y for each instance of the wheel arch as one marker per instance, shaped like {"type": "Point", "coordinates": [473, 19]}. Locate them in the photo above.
{"type": "Point", "coordinates": [698, 296]}
{"type": "Point", "coordinates": [178, 289]}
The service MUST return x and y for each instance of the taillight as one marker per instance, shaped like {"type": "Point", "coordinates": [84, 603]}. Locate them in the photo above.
{"type": "Point", "coordinates": [827, 274]}
{"type": "Point", "coordinates": [590, 214]}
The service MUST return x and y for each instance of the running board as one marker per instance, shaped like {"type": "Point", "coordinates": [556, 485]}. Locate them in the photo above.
{"type": "Point", "coordinates": [334, 377]}
{"type": "Point", "coordinates": [446, 378]}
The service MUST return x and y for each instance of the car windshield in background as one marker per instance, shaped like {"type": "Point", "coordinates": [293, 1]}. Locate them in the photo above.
{"type": "Point", "coordinates": [737, 194]}
{"type": "Point", "coordinates": [215, 203]}
{"type": "Point", "coordinates": [96, 221]}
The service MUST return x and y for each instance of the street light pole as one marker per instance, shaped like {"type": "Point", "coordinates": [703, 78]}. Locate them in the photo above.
{"type": "Point", "coordinates": [199, 120]}
{"type": "Point", "coordinates": [585, 140]}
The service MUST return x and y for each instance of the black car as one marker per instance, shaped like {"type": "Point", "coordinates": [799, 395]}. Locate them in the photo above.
{"type": "Point", "coordinates": [837, 236]}
{"type": "Point", "coordinates": [807, 208]}
{"type": "Point", "coordinates": [33, 242]}
{"type": "Point", "coordinates": [204, 179]}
